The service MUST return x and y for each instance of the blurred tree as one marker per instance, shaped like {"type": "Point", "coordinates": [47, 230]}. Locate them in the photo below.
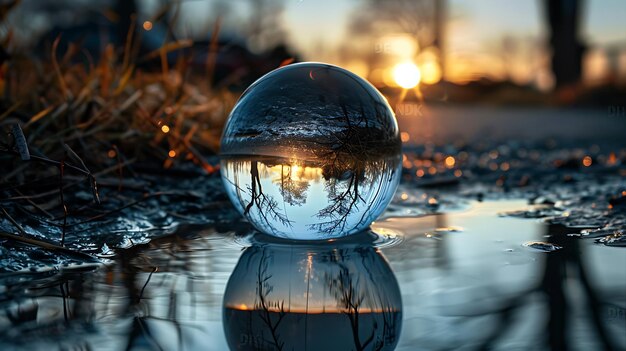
{"type": "Point", "coordinates": [567, 50]}
{"type": "Point", "coordinates": [264, 25]}
{"type": "Point", "coordinates": [439, 31]}
{"type": "Point", "coordinates": [413, 17]}
{"type": "Point", "coordinates": [384, 32]}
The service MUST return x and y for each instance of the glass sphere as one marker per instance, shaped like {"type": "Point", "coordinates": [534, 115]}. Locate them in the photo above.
{"type": "Point", "coordinates": [295, 297]}
{"type": "Point", "coordinates": [311, 151]}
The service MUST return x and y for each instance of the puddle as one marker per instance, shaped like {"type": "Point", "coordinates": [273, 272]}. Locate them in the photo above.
{"type": "Point", "coordinates": [468, 279]}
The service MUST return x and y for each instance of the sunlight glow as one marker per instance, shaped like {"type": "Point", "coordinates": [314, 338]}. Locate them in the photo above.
{"type": "Point", "coordinates": [431, 72]}
{"type": "Point", "coordinates": [407, 75]}
{"type": "Point", "coordinates": [295, 168]}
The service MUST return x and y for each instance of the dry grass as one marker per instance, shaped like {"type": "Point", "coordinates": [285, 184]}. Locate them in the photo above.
{"type": "Point", "coordinates": [76, 119]}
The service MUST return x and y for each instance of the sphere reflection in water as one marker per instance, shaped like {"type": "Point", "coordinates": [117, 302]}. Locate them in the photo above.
{"type": "Point", "coordinates": [291, 297]}
{"type": "Point", "coordinates": [311, 151]}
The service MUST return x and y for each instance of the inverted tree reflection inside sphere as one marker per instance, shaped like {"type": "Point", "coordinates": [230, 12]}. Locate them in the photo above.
{"type": "Point", "coordinates": [291, 297]}
{"type": "Point", "coordinates": [311, 151]}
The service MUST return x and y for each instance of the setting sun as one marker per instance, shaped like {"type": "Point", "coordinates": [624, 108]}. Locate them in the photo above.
{"type": "Point", "coordinates": [406, 75]}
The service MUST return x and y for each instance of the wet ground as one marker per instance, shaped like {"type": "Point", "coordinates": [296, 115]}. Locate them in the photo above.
{"type": "Point", "coordinates": [469, 279]}
{"type": "Point", "coordinates": [512, 245]}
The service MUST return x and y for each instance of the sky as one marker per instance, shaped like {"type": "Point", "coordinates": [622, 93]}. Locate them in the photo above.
{"type": "Point", "coordinates": [477, 32]}
{"type": "Point", "coordinates": [312, 21]}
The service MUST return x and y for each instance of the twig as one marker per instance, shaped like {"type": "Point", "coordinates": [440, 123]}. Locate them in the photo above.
{"type": "Point", "coordinates": [65, 308]}
{"type": "Point", "coordinates": [131, 204]}
{"type": "Point", "coordinates": [211, 57]}
{"type": "Point", "coordinates": [47, 160]}
{"type": "Point", "coordinates": [155, 269]}
{"type": "Point", "coordinates": [46, 245]}
{"type": "Point", "coordinates": [10, 110]}
{"type": "Point", "coordinates": [129, 42]}
{"type": "Point", "coordinates": [51, 192]}
{"type": "Point", "coordinates": [75, 157]}
{"type": "Point", "coordinates": [57, 68]}
{"type": "Point", "coordinates": [61, 167]}
{"type": "Point", "coordinates": [119, 167]}
{"type": "Point", "coordinates": [92, 179]}
{"type": "Point", "coordinates": [39, 115]}
{"type": "Point", "coordinates": [13, 221]}
{"type": "Point", "coordinates": [32, 203]}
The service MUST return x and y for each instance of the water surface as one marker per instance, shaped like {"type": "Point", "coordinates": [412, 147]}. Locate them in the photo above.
{"type": "Point", "coordinates": [466, 280]}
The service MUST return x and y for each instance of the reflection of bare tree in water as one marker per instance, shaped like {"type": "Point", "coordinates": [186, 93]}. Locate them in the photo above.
{"type": "Point", "coordinates": [350, 297]}
{"type": "Point", "coordinates": [119, 291]}
{"type": "Point", "coordinates": [559, 265]}
{"type": "Point", "coordinates": [553, 286]}
{"type": "Point", "coordinates": [391, 317]}
{"type": "Point", "coordinates": [265, 306]}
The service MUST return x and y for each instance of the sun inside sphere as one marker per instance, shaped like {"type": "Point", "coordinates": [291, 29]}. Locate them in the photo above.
{"type": "Point", "coordinates": [311, 151]}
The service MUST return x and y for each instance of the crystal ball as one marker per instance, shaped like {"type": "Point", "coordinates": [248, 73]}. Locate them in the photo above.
{"type": "Point", "coordinates": [294, 297]}
{"type": "Point", "coordinates": [311, 151]}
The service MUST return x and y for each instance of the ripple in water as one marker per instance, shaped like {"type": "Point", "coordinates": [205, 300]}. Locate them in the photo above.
{"type": "Point", "coordinates": [376, 237]}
